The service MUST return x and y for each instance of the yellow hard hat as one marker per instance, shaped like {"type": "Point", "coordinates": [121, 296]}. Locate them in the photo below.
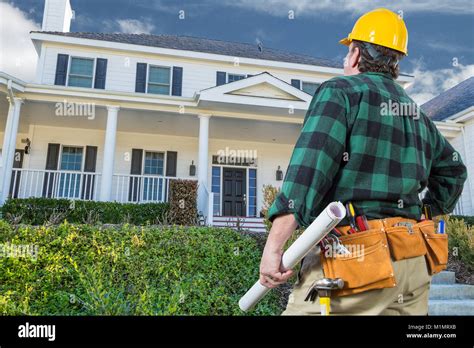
{"type": "Point", "coordinates": [381, 27]}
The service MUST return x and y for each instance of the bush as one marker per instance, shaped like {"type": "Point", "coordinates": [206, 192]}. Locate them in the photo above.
{"type": "Point", "coordinates": [37, 211]}
{"type": "Point", "coordinates": [87, 270]}
{"type": "Point", "coordinates": [461, 240]}
{"type": "Point", "coordinates": [183, 201]}
{"type": "Point", "coordinates": [469, 220]}
{"type": "Point", "coordinates": [269, 194]}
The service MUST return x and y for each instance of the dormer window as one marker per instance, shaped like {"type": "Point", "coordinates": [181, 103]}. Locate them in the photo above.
{"type": "Point", "coordinates": [310, 87]}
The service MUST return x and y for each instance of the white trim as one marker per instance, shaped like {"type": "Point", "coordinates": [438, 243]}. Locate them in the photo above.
{"type": "Point", "coordinates": [143, 162]}
{"type": "Point", "coordinates": [462, 116]}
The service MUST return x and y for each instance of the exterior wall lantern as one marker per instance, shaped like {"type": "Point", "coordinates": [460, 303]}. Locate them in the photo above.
{"type": "Point", "coordinates": [279, 174]}
{"type": "Point", "coordinates": [192, 169]}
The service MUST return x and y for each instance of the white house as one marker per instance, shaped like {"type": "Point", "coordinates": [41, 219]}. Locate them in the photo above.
{"type": "Point", "coordinates": [113, 117]}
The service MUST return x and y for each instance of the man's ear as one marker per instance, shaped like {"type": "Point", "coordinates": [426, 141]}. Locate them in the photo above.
{"type": "Point", "coordinates": [354, 58]}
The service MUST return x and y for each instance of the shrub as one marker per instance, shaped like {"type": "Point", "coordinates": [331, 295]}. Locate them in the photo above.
{"type": "Point", "coordinates": [469, 220]}
{"type": "Point", "coordinates": [37, 211]}
{"type": "Point", "coordinates": [461, 240]}
{"type": "Point", "coordinates": [183, 201]}
{"type": "Point", "coordinates": [129, 270]}
{"type": "Point", "coordinates": [269, 194]}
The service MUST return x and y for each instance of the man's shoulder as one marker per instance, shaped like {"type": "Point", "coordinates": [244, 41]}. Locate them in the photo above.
{"type": "Point", "coordinates": [349, 84]}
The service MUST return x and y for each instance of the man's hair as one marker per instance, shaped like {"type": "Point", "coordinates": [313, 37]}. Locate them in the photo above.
{"type": "Point", "coordinates": [376, 58]}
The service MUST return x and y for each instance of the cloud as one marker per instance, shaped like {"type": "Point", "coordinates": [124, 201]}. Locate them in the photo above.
{"type": "Point", "coordinates": [18, 56]}
{"type": "Point", "coordinates": [430, 83]}
{"type": "Point", "coordinates": [134, 26]}
{"type": "Point", "coordinates": [355, 7]}
{"type": "Point", "coordinates": [130, 26]}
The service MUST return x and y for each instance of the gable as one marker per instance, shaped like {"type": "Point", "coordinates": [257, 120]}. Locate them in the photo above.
{"type": "Point", "coordinates": [264, 90]}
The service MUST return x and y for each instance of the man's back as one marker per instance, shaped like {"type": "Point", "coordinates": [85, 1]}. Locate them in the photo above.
{"type": "Point", "coordinates": [364, 140]}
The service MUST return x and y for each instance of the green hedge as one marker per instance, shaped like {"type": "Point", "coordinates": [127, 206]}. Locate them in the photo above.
{"type": "Point", "coordinates": [36, 211]}
{"type": "Point", "coordinates": [469, 220]}
{"type": "Point", "coordinates": [131, 270]}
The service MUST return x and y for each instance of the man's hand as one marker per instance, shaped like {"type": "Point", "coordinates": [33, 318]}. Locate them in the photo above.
{"type": "Point", "coordinates": [272, 272]}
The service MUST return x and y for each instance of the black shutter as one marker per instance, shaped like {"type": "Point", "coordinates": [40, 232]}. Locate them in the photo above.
{"type": "Point", "coordinates": [61, 70]}
{"type": "Point", "coordinates": [177, 81]}
{"type": "Point", "coordinates": [89, 167]}
{"type": "Point", "coordinates": [16, 176]}
{"type": "Point", "coordinates": [100, 73]}
{"type": "Point", "coordinates": [296, 83]}
{"type": "Point", "coordinates": [52, 162]}
{"type": "Point", "coordinates": [171, 163]}
{"type": "Point", "coordinates": [140, 82]}
{"type": "Point", "coordinates": [135, 169]}
{"type": "Point", "coordinates": [221, 78]}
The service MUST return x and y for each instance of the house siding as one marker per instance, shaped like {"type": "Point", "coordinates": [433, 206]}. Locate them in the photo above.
{"type": "Point", "coordinates": [197, 74]}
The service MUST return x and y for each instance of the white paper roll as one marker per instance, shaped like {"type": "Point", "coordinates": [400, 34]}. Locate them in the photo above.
{"type": "Point", "coordinates": [320, 227]}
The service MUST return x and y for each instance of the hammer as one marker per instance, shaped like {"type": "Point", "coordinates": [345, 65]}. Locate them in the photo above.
{"type": "Point", "coordinates": [324, 287]}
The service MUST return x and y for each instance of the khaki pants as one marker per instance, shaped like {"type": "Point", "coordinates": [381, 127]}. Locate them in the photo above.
{"type": "Point", "coordinates": [409, 297]}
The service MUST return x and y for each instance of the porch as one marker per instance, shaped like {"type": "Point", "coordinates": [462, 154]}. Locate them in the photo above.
{"type": "Point", "coordinates": [129, 152]}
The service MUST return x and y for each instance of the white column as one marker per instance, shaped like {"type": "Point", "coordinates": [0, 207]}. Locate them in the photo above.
{"type": "Point", "coordinates": [109, 154]}
{"type": "Point", "coordinates": [9, 146]}
{"type": "Point", "coordinates": [203, 163]}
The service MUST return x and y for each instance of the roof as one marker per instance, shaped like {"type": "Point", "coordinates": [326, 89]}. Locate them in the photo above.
{"type": "Point", "coordinates": [451, 101]}
{"type": "Point", "coordinates": [189, 43]}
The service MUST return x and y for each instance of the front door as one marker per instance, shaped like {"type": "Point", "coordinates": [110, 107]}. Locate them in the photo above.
{"type": "Point", "coordinates": [234, 192]}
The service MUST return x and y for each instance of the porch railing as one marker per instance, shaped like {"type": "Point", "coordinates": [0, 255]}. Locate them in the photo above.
{"type": "Point", "coordinates": [27, 183]}
{"type": "Point", "coordinates": [141, 188]}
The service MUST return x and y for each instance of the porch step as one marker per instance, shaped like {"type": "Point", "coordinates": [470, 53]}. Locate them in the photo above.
{"type": "Point", "coordinates": [444, 277]}
{"type": "Point", "coordinates": [448, 297]}
{"type": "Point", "coordinates": [451, 307]}
{"type": "Point", "coordinates": [253, 224]}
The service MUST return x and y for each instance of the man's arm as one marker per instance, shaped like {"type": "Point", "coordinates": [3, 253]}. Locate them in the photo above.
{"type": "Point", "coordinates": [314, 164]}
{"type": "Point", "coordinates": [447, 176]}
{"type": "Point", "coordinates": [271, 272]}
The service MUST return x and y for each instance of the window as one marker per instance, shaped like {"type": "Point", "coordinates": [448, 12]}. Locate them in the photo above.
{"type": "Point", "coordinates": [81, 72]}
{"type": "Point", "coordinates": [71, 161]}
{"type": "Point", "coordinates": [216, 190]}
{"type": "Point", "coordinates": [252, 192]}
{"type": "Point", "coordinates": [159, 80]}
{"type": "Point", "coordinates": [310, 87]}
{"type": "Point", "coordinates": [234, 77]}
{"type": "Point", "coordinates": [153, 166]}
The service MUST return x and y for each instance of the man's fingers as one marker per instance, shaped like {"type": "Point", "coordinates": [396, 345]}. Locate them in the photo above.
{"type": "Point", "coordinates": [266, 282]}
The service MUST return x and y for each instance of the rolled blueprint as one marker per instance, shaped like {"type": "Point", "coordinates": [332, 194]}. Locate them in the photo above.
{"type": "Point", "coordinates": [321, 226]}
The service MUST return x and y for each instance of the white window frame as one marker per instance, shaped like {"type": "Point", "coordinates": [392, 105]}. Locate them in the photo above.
{"type": "Point", "coordinates": [158, 84]}
{"type": "Point", "coordinates": [164, 163]}
{"type": "Point", "coordinates": [83, 160]}
{"type": "Point", "coordinates": [94, 67]}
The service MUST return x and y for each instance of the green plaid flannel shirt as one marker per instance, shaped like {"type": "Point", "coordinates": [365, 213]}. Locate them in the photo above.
{"type": "Point", "coordinates": [350, 149]}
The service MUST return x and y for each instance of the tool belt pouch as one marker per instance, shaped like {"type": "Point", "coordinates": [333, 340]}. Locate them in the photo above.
{"type": "Point", "coordinates": [436, 246]}
{"type": "Point", "coordinates": [405, 242]}
{"type": "Point", "coordinates": [366, 267]}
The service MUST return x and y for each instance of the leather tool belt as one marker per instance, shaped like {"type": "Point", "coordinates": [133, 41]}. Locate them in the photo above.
{"type": "Point", "coordinates": [366, 263]}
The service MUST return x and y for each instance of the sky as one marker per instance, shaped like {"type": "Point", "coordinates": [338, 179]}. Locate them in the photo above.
{"type": "Point", "coordinates": [440, 47]}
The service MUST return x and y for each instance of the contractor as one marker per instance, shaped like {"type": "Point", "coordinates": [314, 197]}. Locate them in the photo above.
{"type": "Point", "coordinates": [352, 148]}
